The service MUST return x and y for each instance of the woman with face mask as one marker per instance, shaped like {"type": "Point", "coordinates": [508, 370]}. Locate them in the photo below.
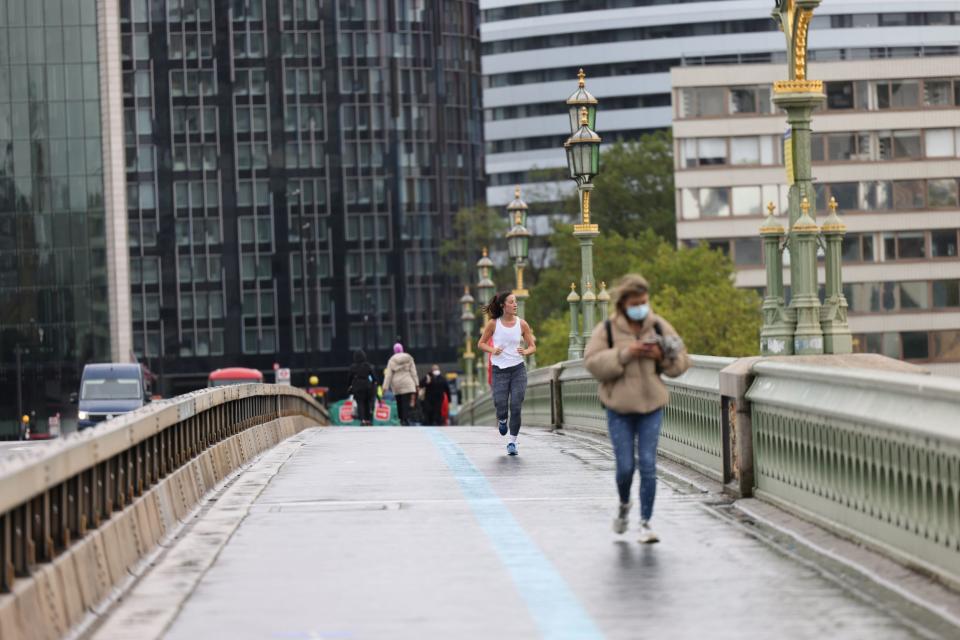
{"type": "Point", "coordinates": [512, 341]}
{"type": "Point", "coordinates": [626, 354]}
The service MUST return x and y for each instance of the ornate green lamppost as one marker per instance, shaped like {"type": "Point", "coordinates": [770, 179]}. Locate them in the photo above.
{"type": "Point", "coordinates": [466, 321]}
{"type": "Point", "coordinates": [833, 316]}
{"type": "Point", "coordinates": [485, 289]}
{"type": "Point", "coordinates": [583, 163]}
{"type": "Point", "coordinates": [518, 247]}
{"type": "Point", "coordinates": [776, 336]}
{"type": "Point", "coordinates": [798, 97]}
{"type": "Point", "coordinates": [806, 327]}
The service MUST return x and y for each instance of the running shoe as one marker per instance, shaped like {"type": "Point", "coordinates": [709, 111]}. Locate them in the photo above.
{"type": "Point", "coordinates": [647, 536]}
{"type": "Point", "coordinates": [620, 522]}
{"type": "Point", "coordinates": [502, 425]}
{"type": "Point", "coordinates": [511, 448]}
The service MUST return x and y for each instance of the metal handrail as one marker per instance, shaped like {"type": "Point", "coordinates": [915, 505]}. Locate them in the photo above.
{"type": "Point", "coordinates": [51, 497]}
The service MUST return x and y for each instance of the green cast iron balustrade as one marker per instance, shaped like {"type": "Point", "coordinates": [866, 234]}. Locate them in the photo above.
{"type": "Point", "coordinates": [875, 456]}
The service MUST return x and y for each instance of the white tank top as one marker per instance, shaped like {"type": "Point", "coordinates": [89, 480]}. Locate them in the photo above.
{"type": "Point", "coordinates": [509, 339]}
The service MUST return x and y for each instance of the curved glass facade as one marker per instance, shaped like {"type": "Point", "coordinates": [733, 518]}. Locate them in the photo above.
{"type": "Point", "coordinates": [54, 314]}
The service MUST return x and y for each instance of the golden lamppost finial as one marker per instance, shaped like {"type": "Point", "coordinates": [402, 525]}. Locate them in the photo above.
{"type": "Point", "coordinates": [584, 118]}
{"type": "Point", "coordinates": [771, 207]}
{"type": "Point", "coordinates": [833, 205]}
{"type": "Point", "coordinates": [516, 192]}
{"type": "Point", "coordinates": [805, 206]}
{"type": "Point", "coordinates": [573, 286]}
{"type": "Point", "coordinates": [484, 252]}
{"type": "Point", "coordinates": [582, 77]}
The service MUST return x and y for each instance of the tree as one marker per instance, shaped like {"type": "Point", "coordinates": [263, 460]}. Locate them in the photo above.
{"type": "Point", "coordinates": [473, 229]}
{"type": "Point", "coordinates": [634, 191]}
{"type": "Point", "coordinates": [693, 288]}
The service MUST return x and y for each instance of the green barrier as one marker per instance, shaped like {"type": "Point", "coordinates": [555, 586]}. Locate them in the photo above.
{"type": "Point", "coordinates": [384, 414]}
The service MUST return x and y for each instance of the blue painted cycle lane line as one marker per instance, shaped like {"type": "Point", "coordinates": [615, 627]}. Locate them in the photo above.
{"type": "Point", "coordinates": [552, 604]}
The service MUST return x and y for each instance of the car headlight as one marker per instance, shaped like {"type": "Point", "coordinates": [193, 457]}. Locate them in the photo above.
{"type": "Point", "coordinates": [82, 415]}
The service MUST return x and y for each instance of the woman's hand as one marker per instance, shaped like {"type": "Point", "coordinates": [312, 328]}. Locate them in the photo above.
{"type": "Point", "coordinates": [651, 350]}
{"type": "Point", "coordinates": [497, 350]}
{"type": "Point", "coordinates": [522, 351]}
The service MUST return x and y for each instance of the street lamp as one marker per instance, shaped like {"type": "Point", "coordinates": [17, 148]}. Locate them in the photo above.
{"type": "Point", "coordinates": [806, 327]}
{"type": "Point", "coordinates": [518, 245]}
{"type": "Point", "coordinates": [485, 290]}
{"type": "Point", "coordinates": [581, 98]}
{"type": "Point", "coordinates": [466, 322]}
{"type": "Point", "coordinates": [583, 163]}
{"type": "Point", "coordinates": [518, 248]}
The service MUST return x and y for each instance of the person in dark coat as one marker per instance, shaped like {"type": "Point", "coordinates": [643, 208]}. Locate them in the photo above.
{"type": "Point", "coordinates": [363, 384]}
{"type": "Point", "coordinates": [436, 388]}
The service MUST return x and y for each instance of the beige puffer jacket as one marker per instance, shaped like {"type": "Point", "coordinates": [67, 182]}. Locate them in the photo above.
{"type": "Point", "coordinates": [401, 376]}
{"type": "Point", "coordinates": [631, 385]}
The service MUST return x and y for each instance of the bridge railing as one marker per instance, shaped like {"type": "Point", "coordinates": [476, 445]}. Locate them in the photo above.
{"type": "Point", "coordinates": [874, 457]}
{"type": "Point", "coordinates": [110, 494]}
{"type": "Point", "coordinates": [870, 453]}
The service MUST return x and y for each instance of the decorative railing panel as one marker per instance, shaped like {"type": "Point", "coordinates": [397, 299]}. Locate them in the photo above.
{"type": "Point", "coordinates": [873, 455]}
{"type": "Point", "coordinates": [692, 430]}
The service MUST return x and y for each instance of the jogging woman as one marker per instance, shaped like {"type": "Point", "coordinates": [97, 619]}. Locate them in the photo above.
{"type": "Point", "coordinates": [507, 350]}
{"type": "Point", "coordinates": [626, 354]}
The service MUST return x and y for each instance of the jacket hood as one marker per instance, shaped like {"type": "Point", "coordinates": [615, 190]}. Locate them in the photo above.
{"type": "Point", "coordinates": [628, 284]}
{"type": "Point", "coordinates": [399, 359]}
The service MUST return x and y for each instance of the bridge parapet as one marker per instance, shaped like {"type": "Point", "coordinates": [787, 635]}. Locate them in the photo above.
{"type": "Point", "coordinates": [77, 515]}
{"type": "Point", "coordinates": [870, 453]}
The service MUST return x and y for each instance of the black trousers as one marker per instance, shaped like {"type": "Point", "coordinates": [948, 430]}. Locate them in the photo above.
{"type": "Point", "coordinates": [435, 412]}
{"type": "Point", "coordinates": [404, 410]}
{"type": "Point", "coordinates": [364, 409]}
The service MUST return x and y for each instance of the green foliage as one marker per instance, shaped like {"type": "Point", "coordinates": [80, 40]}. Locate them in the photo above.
{"type": "Point", "coordinates": [634, 192]}
{"type": "Point", "coordinates": [473, 229]}
{"type": "Point", "coordinates": [552, 339]}
{"type": "Point", "coordinates": [692, 288]}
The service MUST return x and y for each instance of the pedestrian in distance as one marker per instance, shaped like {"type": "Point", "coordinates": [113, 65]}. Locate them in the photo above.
{"type": "Point", "coordinates": [627, 353]}
{"type": "Point", "coordinates": [401, 379]}
{"type": "Point", "coordinates": [363, 384]}
{"type": "Point", "coordinates": [508, 339]}
{"type": "Point", "coordinates": [437, 389]}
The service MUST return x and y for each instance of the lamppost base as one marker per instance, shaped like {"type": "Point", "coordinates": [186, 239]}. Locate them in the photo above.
{"type": "Point", "coordinates": [807, 337]}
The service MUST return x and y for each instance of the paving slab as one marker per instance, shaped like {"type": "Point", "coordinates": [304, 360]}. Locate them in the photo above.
{"type": "Point", "coordinates": [436, 533]}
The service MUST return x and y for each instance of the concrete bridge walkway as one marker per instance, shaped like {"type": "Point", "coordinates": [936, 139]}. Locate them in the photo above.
{"type": "Point", "coordinates": [435, 533]}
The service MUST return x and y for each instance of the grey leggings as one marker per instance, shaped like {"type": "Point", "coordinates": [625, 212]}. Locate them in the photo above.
{"type": "Point", "coordinates": [509, 386]}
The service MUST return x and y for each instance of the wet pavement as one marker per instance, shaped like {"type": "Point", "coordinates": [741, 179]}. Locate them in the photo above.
{"type": "Point", "coordinates": [435, 533]}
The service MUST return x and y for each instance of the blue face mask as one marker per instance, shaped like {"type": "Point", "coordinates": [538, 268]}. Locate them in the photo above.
{"type": "Point", "coordinates": [639, 312]}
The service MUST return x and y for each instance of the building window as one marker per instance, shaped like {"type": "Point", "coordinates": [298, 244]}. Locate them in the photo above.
{"type": "Point", "coordinates": [942, 193]}
{"type": "Point", "coordinates": [943, 244]}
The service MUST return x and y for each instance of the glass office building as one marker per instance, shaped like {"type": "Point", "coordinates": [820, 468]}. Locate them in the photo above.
{"type": "Point", "coordinates": [292, 168]}
{"type": "Point", "coordinates": [61, 293]}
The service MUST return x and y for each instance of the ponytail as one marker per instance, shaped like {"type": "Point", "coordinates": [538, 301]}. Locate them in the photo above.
{"type": "Point", "coordinates": [494, 308]}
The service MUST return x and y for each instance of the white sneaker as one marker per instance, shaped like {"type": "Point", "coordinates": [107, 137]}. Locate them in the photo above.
{"type": "Point", "coordinates": [620, 522]}
{"type": "Point", "coordinates": [647, 536]}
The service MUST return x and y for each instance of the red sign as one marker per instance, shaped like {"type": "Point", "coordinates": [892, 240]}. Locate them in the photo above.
{"type": "Point", "coordinates": [382, 413]}
{"type": "Point", "coordinates": [346, 412]}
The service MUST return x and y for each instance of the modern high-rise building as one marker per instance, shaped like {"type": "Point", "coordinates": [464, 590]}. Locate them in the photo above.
{"type": "Point", "coordinates": [292, 169]}
{"type": "Point", "coordinates": [533, 48]}
{"type": "Point", "coordinates": [886, 146]}
{"type": "Point", "coordinates": [64, 288]}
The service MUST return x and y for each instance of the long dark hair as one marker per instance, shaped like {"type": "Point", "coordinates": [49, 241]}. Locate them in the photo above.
{"type": "Point", "coordinates": [494, 308]}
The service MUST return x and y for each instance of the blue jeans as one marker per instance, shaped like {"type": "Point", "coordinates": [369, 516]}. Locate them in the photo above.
{"type": "Point", "coordinates": [509, 387]}
{"type": "Point", "coordinates": [634, 436]}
